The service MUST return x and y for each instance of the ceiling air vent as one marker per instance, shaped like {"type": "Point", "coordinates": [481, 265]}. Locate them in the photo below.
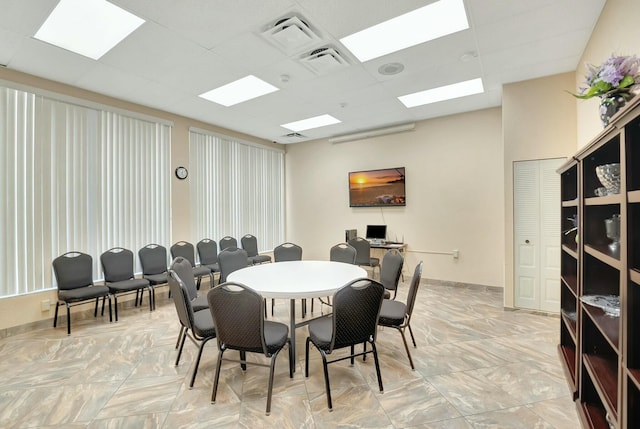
{"type": "Point", "coordinates": [291, 35]}
{"type": "Point", "coordinates": [324, 60]}
{"type": "Point", "coordinates": [292, 138]}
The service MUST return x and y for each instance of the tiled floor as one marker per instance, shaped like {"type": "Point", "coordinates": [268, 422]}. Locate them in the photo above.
{"type": "Point", "coordinates": [477, 366]}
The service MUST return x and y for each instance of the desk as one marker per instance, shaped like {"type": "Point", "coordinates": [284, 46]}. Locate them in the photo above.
{"type": "Point", "coordinates": [297, 280]}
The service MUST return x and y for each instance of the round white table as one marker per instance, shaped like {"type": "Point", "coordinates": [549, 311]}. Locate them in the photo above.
{"type": "Point", "coordinates": [297, 280]}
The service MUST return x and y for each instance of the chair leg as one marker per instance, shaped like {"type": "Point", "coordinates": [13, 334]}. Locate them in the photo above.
{"type": "Point", "coordinates": [184, 337]}
{"type": "Point", "coordinates": [375, 358]}
{"type": "Point", "coordinates": [150, 301]}
{"type": "Point", "coordinates": [180, 336]}
{"type": "Point", "coordinates": [68, 318]}
{"type": "Point", "coordinates": [412, 338]}
{"type": "Point", "coordinates": [55, 316]}
{"type": "Point", "coordinates": [243, 360]}
{"type": "Point", "coordinates": [95, 312]}
{"type": "Point", "coordinates": [110, 318]}
{"type": "Point", "coordinates": [406, 347]}
{"type": "Point", "coordinates": [217, 377]}
{"type": "Point", "coordinates": [291, 360]}
{"type": "Point", "coordinates": [198, 283]}
{"type": "Point", "coordinates": [353, 350]}
{"type": "Point", "coordinates": [326, 379]}
{"type": "Point", "coordinates": [115, 299]}
{"type": "Point", "coordinates": [306, 358]}
{"type": "Point", "coordinates": [195, 368]}
{"type": "Point", "coordinates": [272, 368]}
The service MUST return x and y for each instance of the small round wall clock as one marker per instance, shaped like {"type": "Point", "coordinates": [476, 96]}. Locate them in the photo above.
{"type": "Point", "coordinates": [181, 173]}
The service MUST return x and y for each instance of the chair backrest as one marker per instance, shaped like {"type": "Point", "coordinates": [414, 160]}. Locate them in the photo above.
{"type": "Point", "coordinates": [207, 251]}
{"type": "Point", "coordinates": [185, 250]}
{"type": "Point", "coordinates": [117, 264]}
{"type": "Point", "coordinates": [356, 308]}
{"type": "Point", "coordinates": [227, 243]}
{"type": "Point", "coordinates": [343, 252]}
{"type": "Point", "coordinates": [180, 296]}
{"type": "Point", "coordinates": [153, 258]}
{"type": "Point", "coordinates": [73, 270]}
{"type": "Point", "coordinates": [238, 317]}
{"type": "Point", "coordinates": [363, 250]}
{"type": "Point", "coordinates": [230, 260]}
{"type": "Point", "coordinates": [250, 244]}
{"type": "Point", "coordinates": [391, 269]}
{"type": "Point", "coordinates": [287, 252]}
{"type": "Point", "coordinates": [413, 290]}
{"type": "Point", "coordinates": [183, 269]}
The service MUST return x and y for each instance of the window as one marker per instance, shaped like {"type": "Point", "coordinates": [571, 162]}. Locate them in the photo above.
{"type": "Point", "coordinates": [236, 188]}
{"type": "Point", "coordinates": [75, 178]}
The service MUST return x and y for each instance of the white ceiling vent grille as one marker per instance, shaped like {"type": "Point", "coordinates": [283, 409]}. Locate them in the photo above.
{"type": "Point", "coordinates": [292, 138]}
{"type": "Point", "coordinates": [324, 60]}
{"type": "Point", "coordinates": [291, 35]}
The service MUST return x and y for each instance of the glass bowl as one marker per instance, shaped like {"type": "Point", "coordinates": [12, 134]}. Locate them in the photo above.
{"type": "Point", "coordinates": [609, 176]}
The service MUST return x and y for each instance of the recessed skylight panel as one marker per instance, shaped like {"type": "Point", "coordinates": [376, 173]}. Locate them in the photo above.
{"type": "Point", "coordinates": [447, 92]}
{"type": "Point", "coordinates": [244, 89]}
{"type": "Point", "coordinates": [421, 25]}
{"type": "Point", "coordinates": [309, 123]}
{"type": "Point", "coordinates": [87, 27]}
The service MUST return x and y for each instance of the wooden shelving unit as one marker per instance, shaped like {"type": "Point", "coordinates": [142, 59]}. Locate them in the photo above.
{"type": "Point", "coordinates": [601, 352]}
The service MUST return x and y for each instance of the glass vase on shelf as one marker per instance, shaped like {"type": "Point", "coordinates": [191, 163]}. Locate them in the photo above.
{"type": "Point", "coordinates": [610, 104]}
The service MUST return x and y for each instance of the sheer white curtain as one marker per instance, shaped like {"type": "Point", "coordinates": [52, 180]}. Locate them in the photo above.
{"type": "Point", "coordinates": [75, 178]}
{"type": "Point", "coordinates": [236, 188]}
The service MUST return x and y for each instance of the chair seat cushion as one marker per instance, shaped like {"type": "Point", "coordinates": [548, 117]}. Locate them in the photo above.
{"type": "Point", "coordinates": [156, 279]}
{"type": "Point", "coordinates": [215, 268]}
{"type": "Point", "coordinates": [203, 324]}
{"type": "Point", "coordinates": [128, 285]}
{"type": "Point", "coordinates": [259, 259]}
{"type": "Point", "coordinates": [200, 303]}
{"type": "Point", "coordinates": [275, 335]}
{"type": "Point", "coordinates": [392, 313]}
{"type": "Point", "coordinates": [82, 293]}
{"type": "Point", "coordinates": [374, 262]}
{"type": "Point", "coordinates": [320, 331]}
{"type": "Point", "coordinates": [200, 271]}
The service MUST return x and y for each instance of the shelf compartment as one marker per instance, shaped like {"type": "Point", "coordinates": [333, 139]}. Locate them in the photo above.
{"type": "Point", "coordinates": [633, 231]}
{"type": "Point", "coordinates": [591, 408]}
{"type": "Point", "coordinates": [607, 153]}
{"type": "Point", "coordinates": [568, 224]}
{"type": "Point", "coordinates": [604, 374]}
{"type": "Point", "coordinates": [569, 271]}
{"type": "Point", "coordinates": [633, 404]}
{"type": "Point", "coordinates": [568, 359]}
{"type": "Point", "coordinates": [599, 277]}
{"type": "Point", "coordinates": [569, 314]}
{"type": "Point", "coordinates": [632, 139]}
{"type": "Point", "coordinates": [633, 321]}
{"type": "Point", "coordinates": [569, 184]}
{"type": "Point", "coordinates": [594, 230]}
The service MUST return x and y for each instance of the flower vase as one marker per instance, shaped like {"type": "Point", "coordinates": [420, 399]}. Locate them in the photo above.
{"type": "Point", "coordinates": [609, 106]}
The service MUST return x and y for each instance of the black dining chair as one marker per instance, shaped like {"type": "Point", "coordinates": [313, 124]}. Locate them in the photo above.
{"type": "Point", "coordinates": [356, 308]}
{"type": "Point", "coordinates": [390, 272]}
{"type": "Point", "coordinates": [240, 325]}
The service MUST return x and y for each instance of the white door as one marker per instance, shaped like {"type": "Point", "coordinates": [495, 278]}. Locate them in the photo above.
{"type": "Point", "coordinates": [536, 234]}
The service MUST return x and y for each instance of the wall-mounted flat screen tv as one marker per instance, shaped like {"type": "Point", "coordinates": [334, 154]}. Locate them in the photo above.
{"type": "Point", "coordinates": [377, 188]}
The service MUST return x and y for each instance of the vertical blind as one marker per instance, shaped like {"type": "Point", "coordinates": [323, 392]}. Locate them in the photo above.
{"type": "Point", "coordinates": [74, 178]}
{"type": "Point", "coordinates": [236, 188]}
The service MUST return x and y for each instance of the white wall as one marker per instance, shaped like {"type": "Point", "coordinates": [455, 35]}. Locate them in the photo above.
{"type": "Point", "coordinates": [455, 195]}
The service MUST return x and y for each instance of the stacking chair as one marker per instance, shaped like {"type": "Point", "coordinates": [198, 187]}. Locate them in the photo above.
{"type": "Point", "coordinates": [390, 272]}
{"type": "Point", "coordinates": [185, 249]}
{"type": "Point", "coordinates": [74, 276]}
{"type": "Point", "coordinates": [230, 260]}
{"type": "Point", "coordinates": [117, 266]}
{"type": "Point", "coordinates": [196, 325]}
{"type": "Point", "coordinates": [356, 307]}
{"type": "Point", "coordinates": [250, 244]}
{"type": "Point", "coordinates": [228, 242]}
{"type": "Point", "coordinates": [395, 314]}
{"type": "Point", "coordinates": [289, 252]}
{"type": "Point", "coordinates": [363, 255]}
{"type": "Point", "coordinates": [208, 254]}
{"type": "Point", "coordinates": [153, 259]}
{"type": "Point", "coordinates": [343, 252]}
{"type": "Point", "coordinates": [240, 325]}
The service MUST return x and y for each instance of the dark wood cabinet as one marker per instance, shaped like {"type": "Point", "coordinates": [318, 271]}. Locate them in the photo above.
{"type": "Point", "coordinates": [599, 349]}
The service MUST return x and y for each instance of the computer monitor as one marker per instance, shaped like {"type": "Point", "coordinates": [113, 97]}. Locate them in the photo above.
{"type": "Point", "coordinates": [376, 232]}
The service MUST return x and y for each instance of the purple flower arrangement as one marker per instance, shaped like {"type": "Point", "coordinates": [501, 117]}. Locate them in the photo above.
{"type": "Point", "coordinates": [619, 75]}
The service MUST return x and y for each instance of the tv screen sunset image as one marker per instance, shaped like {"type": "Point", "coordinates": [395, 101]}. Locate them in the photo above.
{"type": "Point", "coordinates": [384, 187]}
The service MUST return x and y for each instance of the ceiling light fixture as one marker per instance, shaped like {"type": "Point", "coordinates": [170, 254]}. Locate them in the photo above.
{"type": "Point", "coordinates": [390, 69]}
{"type": "Point", "coordinates": [314, 122]}
{"type": "Point", "coordinates": [421, 25]}
{"type": "Point", "coordinates": [247, 88]}
{"type": "Point", "coordinates": [373, 133]}
{"type": "Point", "coordinates": [447, 92]}
{"type": "Point", "coordinates": [87, 27]}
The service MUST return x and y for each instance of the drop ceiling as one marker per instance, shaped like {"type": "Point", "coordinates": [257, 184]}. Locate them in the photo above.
{"type": "Point", "coordinates": [188, 47]}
